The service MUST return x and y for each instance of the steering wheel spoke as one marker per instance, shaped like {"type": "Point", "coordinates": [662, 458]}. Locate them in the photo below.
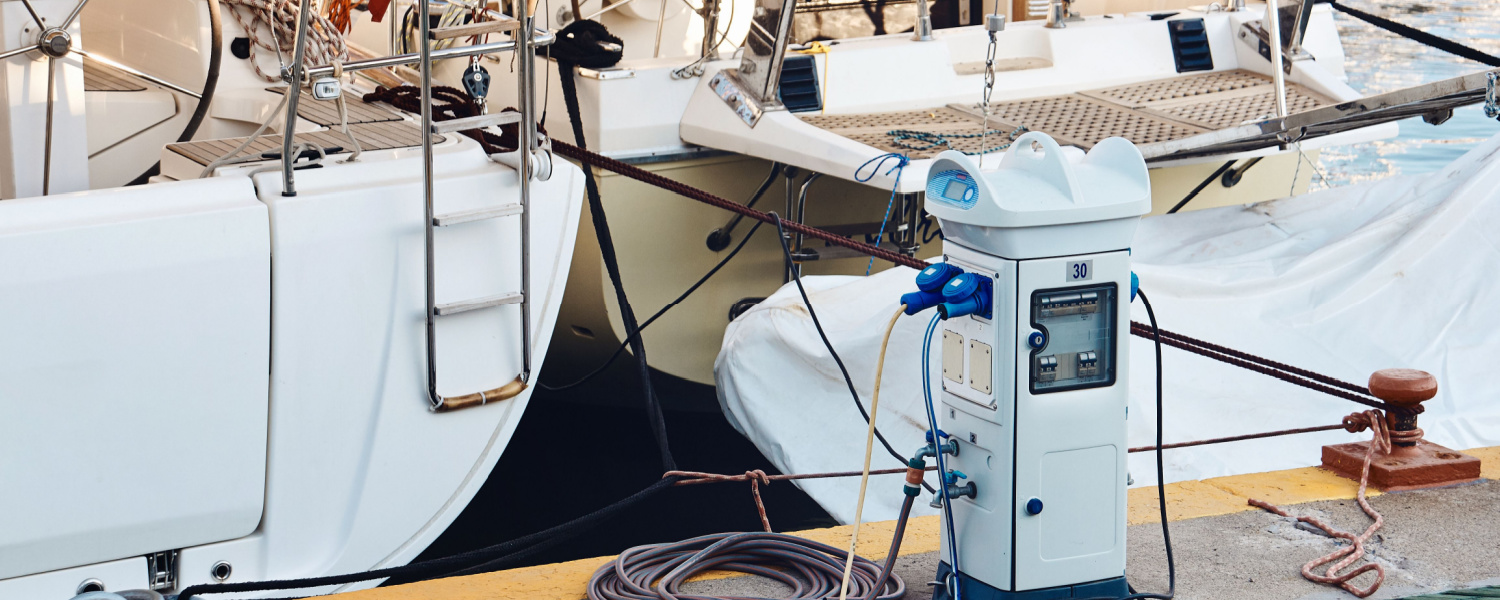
{"type": "Point", "coordinates": [73, 16]}
{"type": "Point", "coordinates": [34, 16]}
{"type": "Point", "coordinates": [17, 52]}
{"type": "Point", "coordinates": [55, 42]}
{"type": "Point", "coordinates": [47, 145]}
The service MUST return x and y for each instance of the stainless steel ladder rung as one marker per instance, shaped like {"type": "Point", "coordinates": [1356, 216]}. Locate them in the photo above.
{"type": "Point", "coordinates": [478, 214]}
{"type": "Point", "coordinates": [525, 46]}
{"type": "Point", "coordinates": [463, 306]}
{"type": "Point", "coordinates": [476, 122]}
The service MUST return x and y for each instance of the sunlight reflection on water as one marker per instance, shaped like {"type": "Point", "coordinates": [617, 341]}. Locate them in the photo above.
{"type": "Point", "coordinates": [1377, 61]}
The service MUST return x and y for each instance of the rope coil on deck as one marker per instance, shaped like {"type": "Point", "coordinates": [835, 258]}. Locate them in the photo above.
{"type": "Point", "coordinates": [909, 138]}
{"type": "Point", "coordinates": [272, 26]}
{"type": "Point", "coordinates": [811, 569]}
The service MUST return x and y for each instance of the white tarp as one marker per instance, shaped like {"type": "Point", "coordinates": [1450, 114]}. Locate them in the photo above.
{"type": "Point", "coordinates": [1402, 272]}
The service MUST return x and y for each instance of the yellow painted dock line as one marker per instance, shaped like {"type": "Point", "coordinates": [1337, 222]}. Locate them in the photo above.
{"type": "Point", "coordinates": [1185, 500]}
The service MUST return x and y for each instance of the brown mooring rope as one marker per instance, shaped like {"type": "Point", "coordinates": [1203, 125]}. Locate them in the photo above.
{"type": "Point", "coordinates": [644, 176]}
{"type": "Point", "coordinates": [758, 477]}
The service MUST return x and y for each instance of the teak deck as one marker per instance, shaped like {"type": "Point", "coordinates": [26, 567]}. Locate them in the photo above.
{"type": "Point", "coordinates": [1144, 113]}
{"type": "Point", "coordinates": [102, 78]}
{"type": "Point", "coordinates": [376, 128]}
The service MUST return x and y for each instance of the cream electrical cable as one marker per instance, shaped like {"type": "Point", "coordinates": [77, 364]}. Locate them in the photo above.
{"type": "Point", "coordinates": [864, 477]}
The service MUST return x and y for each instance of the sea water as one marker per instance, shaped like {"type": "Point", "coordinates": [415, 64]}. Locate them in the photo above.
{"type": "Point", "coordinates": [1378, 61]}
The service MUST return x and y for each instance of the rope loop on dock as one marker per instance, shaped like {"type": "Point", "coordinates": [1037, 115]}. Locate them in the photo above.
{"type": "Point", "coordinates": [1380, 442]}
{"type": "Point", "coordinates": [1362, 421]}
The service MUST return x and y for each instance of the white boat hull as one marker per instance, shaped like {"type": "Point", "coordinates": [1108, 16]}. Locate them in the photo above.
{"type": "Point", "coordinates": [210, 367]}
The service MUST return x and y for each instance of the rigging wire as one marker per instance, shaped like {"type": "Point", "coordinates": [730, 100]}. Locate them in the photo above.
{"type": "Point", "coordinates": [1176, 340]}
{"type": "Point", "coordinates": [1204, 184]}
{"type": "Point", "coordinates": [695, 68]}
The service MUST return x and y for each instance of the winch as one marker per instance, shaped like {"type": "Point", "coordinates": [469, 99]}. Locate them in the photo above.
{"type": "Point", "coordinates": [1033, 297]}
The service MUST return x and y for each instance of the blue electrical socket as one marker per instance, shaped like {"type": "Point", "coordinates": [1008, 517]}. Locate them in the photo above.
{"type": "Point", "coordinates": [968, 294]}
{"type": "Point", "coordinates": [930, 282]}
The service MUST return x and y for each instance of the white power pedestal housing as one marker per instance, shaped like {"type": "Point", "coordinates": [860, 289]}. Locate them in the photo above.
{"type": "Point", "coordinates": [1034, 385]}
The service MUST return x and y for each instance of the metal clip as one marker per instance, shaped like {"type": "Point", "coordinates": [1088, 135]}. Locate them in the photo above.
{"type": "Point", "coordinates": [1491, 102]}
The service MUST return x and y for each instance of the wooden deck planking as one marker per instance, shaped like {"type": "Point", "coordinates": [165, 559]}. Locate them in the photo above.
{"type": "Point", "coordinates": [371, 136]}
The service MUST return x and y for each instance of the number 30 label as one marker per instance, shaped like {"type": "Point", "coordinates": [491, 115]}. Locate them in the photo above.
{"type": "Point", "coordinates": [1081, 271]}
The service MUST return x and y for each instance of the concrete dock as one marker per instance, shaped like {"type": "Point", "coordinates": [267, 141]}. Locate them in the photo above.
{"type": "Point", "coordinates": [1432, 541]}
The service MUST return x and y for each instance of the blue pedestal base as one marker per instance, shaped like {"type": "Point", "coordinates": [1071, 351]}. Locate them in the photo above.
{"type": "Point", "coordinates": [974, 589]}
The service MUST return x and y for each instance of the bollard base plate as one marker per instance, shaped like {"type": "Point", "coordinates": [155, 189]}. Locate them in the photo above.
{"type": "Point", "coordinates": [1426, 465]}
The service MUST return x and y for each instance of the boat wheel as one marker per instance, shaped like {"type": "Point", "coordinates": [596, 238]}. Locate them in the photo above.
{"type": "Point", "coordinates": [55, 43]}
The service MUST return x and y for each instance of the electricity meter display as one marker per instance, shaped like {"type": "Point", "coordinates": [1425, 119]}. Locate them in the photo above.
{"type": "Point", "coordinates": [1078, 325]}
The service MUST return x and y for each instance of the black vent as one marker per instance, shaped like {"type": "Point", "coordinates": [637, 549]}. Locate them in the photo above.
{"type": "Point", "coordinates": [799, 83]}
{"type": "Point", "coordinates": [1190, 45]}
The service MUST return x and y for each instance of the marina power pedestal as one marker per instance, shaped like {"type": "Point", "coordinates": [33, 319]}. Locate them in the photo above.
{"type": "Point", "coordinates": [1035, 365]}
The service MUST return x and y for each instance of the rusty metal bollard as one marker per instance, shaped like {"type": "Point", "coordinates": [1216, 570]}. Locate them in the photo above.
{"type": "Point", "coordinates": [1413, 463]}
{"type": "Point", "coordinates": [1407, 388]}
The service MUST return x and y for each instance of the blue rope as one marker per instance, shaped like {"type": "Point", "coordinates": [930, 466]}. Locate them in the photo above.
{"type": "Point", "coordinates": [937, 444]}
{"type": "Point", "coordinates": [879, 161]}
{"type": "Point", "coordinates": [903, 138]}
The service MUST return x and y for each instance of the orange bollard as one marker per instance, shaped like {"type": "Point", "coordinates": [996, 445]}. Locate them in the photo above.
{"type": "Point", "coordinates": [1413, 463]}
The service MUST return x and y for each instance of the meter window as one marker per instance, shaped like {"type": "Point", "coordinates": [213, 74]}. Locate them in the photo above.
{"type": "Point", "coordinates": [956, 190]}
{"type": "Point", "coordinates": [1080, 350]}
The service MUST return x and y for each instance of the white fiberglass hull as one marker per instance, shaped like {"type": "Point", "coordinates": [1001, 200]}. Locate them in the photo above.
{"type": "Point", "coordinates": [212, 368]}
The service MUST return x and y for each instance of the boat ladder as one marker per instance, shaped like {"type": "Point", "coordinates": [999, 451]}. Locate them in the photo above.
{"type": "Point", "coordinates": [526, 39]}
{"type": "Point", "coordinates": [526, 170]}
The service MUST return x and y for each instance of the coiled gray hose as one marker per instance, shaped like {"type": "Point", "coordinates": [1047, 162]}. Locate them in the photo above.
{"type": "Point", "coordinates": [811, 569]}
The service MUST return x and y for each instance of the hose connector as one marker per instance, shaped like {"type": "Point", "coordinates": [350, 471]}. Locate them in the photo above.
{"type": "Point", "coordinates": [930, 282]}
{"type": "Point", "coordinates": [967, 294]}
{"type": "Point", "coordinates": [916, 468]}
